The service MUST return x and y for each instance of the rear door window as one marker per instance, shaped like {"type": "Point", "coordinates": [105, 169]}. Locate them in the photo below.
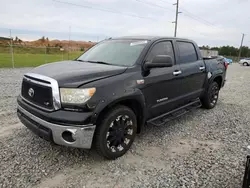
{"type": "Point", "coordinates": [187, 51]}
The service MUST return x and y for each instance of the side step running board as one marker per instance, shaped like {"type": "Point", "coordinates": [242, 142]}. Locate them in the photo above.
{"type": "Point", "coordinates": [162, 119]}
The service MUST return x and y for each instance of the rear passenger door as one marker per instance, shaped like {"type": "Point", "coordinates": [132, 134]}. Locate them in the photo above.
{"type": "Point", "coordinates": [192, 68]}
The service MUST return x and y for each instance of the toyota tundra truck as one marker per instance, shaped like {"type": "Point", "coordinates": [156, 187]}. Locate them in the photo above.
{"type": "Point", "coordinates": [106, 96]}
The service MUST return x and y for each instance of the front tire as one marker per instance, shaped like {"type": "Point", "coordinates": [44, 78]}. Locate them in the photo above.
{"type": "Point", "coordinates": [246, 179]}
{"type": "Point", "coordinates": [210, 98]}
{"type": "Point", "coordinates": [116, 132]}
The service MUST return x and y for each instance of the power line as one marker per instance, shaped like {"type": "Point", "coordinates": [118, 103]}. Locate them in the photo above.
{"type": "Point", "coordinates": [188, 14]}
{"type": "Point", "coordinates": [194, 18]}
{"type": "Point", "coordinates": [102, 9]}
{"type": "Point", "coordinates": [199, 32]}
{"type": "Point", "coordinates": [158, 6]}
{"type": "Point", "coordinates": [164, 1]}
{"type": "Point", "coordinates": [191, 15]}
{"type": "Point", "coordinates": [154, 5]}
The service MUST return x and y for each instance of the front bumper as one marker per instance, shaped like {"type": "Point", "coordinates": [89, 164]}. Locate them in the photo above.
{"type": "Point", "coordinates": [82, 134]}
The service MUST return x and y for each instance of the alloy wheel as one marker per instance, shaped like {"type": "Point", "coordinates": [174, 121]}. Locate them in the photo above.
{"type": "Point", "coordinates": [119, 133]}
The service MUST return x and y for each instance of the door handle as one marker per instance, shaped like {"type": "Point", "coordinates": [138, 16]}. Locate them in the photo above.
{"type": "Point", "coordinates": [176, 73]}
{"type": "Point", "coordinates": [202, 68]}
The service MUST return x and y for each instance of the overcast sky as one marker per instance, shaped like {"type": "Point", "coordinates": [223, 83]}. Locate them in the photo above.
{"type": "Point", "coordinates": [209, 22]}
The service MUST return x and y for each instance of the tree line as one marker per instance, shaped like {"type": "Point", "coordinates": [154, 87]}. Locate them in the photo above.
{"type": "Point", "coordinates": [229, 50]}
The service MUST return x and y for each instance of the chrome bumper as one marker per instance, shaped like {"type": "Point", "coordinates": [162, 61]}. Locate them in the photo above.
{"type": "Point", "coordinates": [82, 134]}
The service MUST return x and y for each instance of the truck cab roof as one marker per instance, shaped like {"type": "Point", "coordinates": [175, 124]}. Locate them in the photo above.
{"type": "Point", "coordinates": [150, 38]}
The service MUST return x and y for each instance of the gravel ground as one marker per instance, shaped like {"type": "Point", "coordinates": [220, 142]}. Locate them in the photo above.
{"type": "Point", "coordinates": [205, 148]}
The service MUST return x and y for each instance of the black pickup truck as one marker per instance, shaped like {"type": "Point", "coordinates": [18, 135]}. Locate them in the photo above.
{"type": "Point", "coordinates": [105, 97]}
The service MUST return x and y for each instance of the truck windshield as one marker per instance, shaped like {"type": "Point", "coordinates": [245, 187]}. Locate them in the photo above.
{"type": "Point", "coordinates": [115, 52]}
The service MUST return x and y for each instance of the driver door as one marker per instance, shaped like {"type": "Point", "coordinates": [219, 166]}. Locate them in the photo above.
{"type": "Point", "coordinates": [161, 89]}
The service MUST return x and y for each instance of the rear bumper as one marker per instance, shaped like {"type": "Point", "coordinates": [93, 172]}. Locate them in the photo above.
{"type": "Point", "coordinates": [82, 134]}
{"type": "Point", "coordinates": [223, 83]}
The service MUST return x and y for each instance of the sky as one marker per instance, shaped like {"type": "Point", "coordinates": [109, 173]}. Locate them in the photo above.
{"type": "Point", "coordinates": [208, 22]}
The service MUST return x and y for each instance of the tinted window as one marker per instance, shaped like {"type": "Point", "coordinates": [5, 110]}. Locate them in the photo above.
{"type": "Point", "coordinates": [187, 52]}
{"type": "Point", "coordinates": [161, 48]}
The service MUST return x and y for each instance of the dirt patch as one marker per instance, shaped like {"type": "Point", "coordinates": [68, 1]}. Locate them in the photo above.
{"type": "Point", "coordinates": [5, 131]}
{"type": "Point", "coordinates": [189, 146]}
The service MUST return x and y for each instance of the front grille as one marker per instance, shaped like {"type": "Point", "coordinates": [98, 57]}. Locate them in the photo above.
{"type": "Point", "coordinates": [39, 95]}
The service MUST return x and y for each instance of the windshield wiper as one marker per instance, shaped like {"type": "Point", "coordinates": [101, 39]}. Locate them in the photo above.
{"type": "Point", "coordinates": [100, 62]}
{"type": "Point", "coordinates": [79, 60]}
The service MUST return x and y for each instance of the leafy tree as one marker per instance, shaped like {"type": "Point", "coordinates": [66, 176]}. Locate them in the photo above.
{"type": "Point", "coordinates": [42, 39]}
{"type": "Point", "coordinates": [204, 47]}
{"type": "Point", "coordinates": [58, 45]}
{"type": "Point", "coordinates": [214, 48]}
{"type": "Point", "coordinates": [229, 50]}
{"type": "Point", "coordinates": [245, 51]}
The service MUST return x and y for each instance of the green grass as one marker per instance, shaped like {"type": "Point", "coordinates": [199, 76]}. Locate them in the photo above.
{"type": "Point", "coordinates": [33, 60]}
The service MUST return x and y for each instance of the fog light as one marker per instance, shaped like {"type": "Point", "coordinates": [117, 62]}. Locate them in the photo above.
{"type": "Point", "coordinates": [68, 136]}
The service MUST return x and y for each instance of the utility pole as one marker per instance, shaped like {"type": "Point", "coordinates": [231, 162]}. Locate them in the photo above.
{"type": "Point", "coordinates": [243, 35]}
{"type": "Point", "coordinates": [248, 51]}
{"type": "Point", "coordinates": [11, 50]}
{"type": "Point", "coordinates": [69, 40]}
{"type": "Point", "coordinates": [176, 17]}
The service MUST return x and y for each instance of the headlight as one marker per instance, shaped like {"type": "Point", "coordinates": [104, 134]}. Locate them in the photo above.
{"type": "Point", "coordinates": [76, 96]}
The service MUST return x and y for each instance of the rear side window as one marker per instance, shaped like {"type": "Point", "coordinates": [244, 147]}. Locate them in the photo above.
{"type": "Point", "coordinates": [187, 52]}
{"type": "Point", "coordinates": [161, 48]}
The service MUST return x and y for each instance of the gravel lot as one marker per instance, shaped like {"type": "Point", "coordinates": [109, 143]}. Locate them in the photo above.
{"type": "Point", "coordinates": [205, 148]}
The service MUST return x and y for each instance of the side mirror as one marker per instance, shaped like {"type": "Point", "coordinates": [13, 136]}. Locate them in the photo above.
{"type": "Point", "coordinates": [159, 61]}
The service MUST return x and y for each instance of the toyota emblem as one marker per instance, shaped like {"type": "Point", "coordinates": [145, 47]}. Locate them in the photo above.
{"type": "Point", "coordinates": [31, 92]}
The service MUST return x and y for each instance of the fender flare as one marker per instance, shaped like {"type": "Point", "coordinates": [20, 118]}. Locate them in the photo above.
{"type": "Point", "coordinates": [135, 95]}
{"type": "Point", "coordinates": [220, 76]}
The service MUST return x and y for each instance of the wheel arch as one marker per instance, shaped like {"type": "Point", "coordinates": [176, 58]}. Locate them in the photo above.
{"type": "Point", "coordinates": [136, 104]}
{"type": "Point", "coordinates": [218, 79]}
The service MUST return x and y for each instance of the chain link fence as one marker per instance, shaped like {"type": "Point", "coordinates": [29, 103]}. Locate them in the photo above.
{"type": "Point", "coordinates": [27, 56]}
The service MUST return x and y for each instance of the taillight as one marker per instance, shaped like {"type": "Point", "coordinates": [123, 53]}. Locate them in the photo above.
{"type": "Point", "coordinates": [225, 64]}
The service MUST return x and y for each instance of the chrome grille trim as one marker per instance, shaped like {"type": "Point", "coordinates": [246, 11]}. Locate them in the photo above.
{"type": "Point", "coordinates": [53, 84]}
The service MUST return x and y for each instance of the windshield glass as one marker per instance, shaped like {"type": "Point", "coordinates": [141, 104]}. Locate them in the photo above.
{"type": "Point", "coordinates": [115, 52]}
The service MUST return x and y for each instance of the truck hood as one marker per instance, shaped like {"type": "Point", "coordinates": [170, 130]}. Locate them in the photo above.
{"type": "Point", "coordinates": [75, 73]}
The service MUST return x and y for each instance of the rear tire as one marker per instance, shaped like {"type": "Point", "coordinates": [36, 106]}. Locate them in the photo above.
{"type": "Point", "coordinates": [116, 132]}
{"type": "Point", "coordinates": [210, 98]}
{"type": "Point", "coordinates": [245, 64]}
